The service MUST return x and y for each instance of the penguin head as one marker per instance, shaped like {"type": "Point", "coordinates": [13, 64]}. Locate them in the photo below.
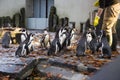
{"type": "Point", "coordinates": [45, 31]}
{"type": "Point", "coordinates": [101, 35]}
{"type": "Point", "coordinates": [8, 33]}
{"type": "Point", "coordinates": [73, 31]}
{"type": "Point", "coordinates": [65, 30]}
{"type": "Point", "coordinates": [24, 31]}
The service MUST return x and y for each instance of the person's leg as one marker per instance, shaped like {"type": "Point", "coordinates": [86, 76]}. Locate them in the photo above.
{"type": "Point", "coordinates": [107, 27]}
{"type": "Point", "coordinates": [110, 17]}
{"type": "Point", "coordinates": [114, 41]}
{"type": "Point", "coordinates": [116, 9]}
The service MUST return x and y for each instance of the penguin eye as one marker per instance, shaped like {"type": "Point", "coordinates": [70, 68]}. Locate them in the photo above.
{"type": "Point", "coordinates": [33, 35]}
{"type": "Point", "coordinates": [23, 30]}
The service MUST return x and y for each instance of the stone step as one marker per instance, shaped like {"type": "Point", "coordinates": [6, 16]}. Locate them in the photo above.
{"type": "Point", "coordinates": [58, 73]}
{"type": "Point", "coordinates": [19, 68]}
{"type": "Point", "coordinates": [74, 65]}
{"type": "Point", "coordinates": [57, 61]}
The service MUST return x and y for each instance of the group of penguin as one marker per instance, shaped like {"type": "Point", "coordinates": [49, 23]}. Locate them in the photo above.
{"type": "Point", "coordinates": [63, 38]}
{"type": "Point", "coordinates": [25, 45]}
{"type": "Point", "coordinates": [95, 41]}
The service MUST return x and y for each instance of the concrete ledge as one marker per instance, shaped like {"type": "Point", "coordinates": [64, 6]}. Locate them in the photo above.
{"type": "Point", "coordinates": [66, 74]}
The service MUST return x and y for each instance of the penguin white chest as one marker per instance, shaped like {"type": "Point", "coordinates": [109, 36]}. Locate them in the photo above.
{"type": "Point", "coordinates": [88, 37]}
{"type": "Point", "coordinates": [62, 39]}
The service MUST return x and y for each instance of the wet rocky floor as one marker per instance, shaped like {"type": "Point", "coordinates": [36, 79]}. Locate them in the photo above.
{"type": "Point", "coordinates": [39, 66]}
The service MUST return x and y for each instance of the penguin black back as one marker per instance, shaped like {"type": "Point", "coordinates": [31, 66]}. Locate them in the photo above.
{"type": "Point", "coordinates": [6, 40]}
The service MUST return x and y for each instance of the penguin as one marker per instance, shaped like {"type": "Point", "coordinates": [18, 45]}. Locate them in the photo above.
{"type": "Point", "coordinates": [55, 47]}
{"type": "Point", "coordinates": [72, 37]}
{"type": "Point", "coordinates": [103, 45]}
{"type": "Point", "coordinates": [45, 39]}
{"type": "Point", "coordinates": [87, 41]}
{"type": "Point", "coordinates": [63, 38]}
{"type": "Point", "coordinates": [80, 50]}
{"type": "Point", "coordinates": [29, 42]}
{"type": "Point", "coordinates": [58, 43]}
{"type": "Point", "coordinates": [91, 40]}
{"type": "Point", "coordinates": [21, 51]}
{"type": "Point", "coordinates": [24, 35]}
{"type": "Point", "coordinates": [6, 40]}
{"type": "Point", "coordinates": [25, 47]}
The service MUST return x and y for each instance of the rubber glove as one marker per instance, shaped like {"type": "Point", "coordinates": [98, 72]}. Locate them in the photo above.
{"type": "Point", "coordinates": [96, 21]}
{"type": "Point", "coordinates": [96, 4]}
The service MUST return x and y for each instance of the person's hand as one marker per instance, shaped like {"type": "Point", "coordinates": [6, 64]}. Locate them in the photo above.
{"type": "Point", "coordinates": [96, 21]}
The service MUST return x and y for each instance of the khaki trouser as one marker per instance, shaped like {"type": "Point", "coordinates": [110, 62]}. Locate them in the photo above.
{"type": "Point", "coordinates": [111, 15]}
